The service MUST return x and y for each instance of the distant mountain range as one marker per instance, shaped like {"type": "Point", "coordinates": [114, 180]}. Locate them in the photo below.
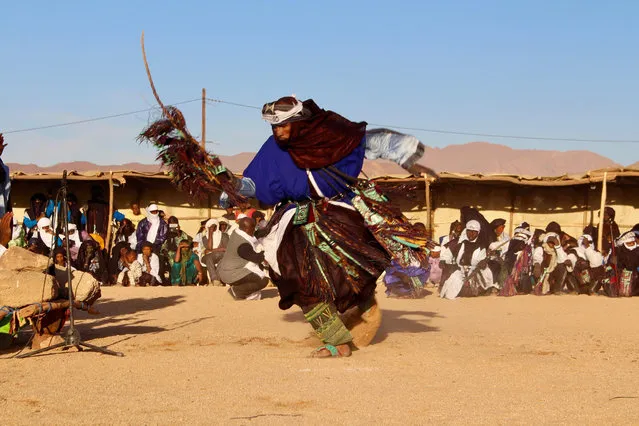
{"type": "Point", "coordinates": [473, 157]}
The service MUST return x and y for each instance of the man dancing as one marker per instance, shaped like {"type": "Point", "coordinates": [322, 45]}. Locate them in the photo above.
{"type": "Point", "coordinates": [331, 235]}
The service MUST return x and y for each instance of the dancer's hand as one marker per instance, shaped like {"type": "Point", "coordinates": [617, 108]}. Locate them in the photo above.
{"type": "Point", "coordinates": [6, 231]}
{"type": "Point", "coordinates": [2, 144]}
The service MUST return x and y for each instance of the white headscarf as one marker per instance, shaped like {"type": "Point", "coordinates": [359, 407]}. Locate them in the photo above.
{"type": "Point", "coordinates": [276, 116]}
{"type": "Point", "coordinates": [473, 225]}
{"type": "Point", "coordinates": [217, 234]}
{"type": "Point", "coordinates": [627, 238]}
{"type": "Point", "coordinates": [154, 220]}
{"type": "Point", "coordinates": [580, 241]}
{"type": "Point", "coordinates": [75, 237]}
{"type": "Point", "coordinates": [46, 237]}
{"type": "Point", "coordinates": [522, 234]}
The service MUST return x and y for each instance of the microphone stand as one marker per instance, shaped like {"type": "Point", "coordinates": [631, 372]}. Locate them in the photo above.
{"type": "Point", "coordinates": [72, 336]}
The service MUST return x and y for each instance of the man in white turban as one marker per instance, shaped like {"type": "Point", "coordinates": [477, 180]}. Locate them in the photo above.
{"type": "Point", "coordinates": [45, 239]}
{"type": "Point", "coordinates": [471, 275]}
{"type": "Point", "coordinates": [152, 229]}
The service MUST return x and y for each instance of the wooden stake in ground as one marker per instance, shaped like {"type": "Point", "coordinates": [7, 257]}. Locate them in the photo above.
{"type": "Point", "coordinates": [601, 210]}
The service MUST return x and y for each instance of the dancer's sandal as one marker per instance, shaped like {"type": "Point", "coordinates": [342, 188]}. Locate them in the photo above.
{"type": "Point", "coordinates": [333, 352]}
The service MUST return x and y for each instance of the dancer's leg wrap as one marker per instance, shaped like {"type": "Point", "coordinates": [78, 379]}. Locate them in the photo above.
{"type": "Point", "coordinates": [327, 324]}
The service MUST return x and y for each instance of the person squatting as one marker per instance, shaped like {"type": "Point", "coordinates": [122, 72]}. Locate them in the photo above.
{"type": "Point", "coordinates": [478, 257]}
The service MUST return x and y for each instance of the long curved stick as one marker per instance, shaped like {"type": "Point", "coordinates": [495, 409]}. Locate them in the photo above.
{"type": "Point", "coordinates": [148, 73]}
{"type": "Point", "coordinates": [165, 111]}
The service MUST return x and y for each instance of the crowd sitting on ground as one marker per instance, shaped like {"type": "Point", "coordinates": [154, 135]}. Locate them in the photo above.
{"type": "Point", "coordinates": [477, 257]}
{"type": "Point", "coordinates": [147, 249]}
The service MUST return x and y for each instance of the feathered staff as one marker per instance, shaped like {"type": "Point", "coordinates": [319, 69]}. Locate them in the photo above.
{"type": "Point", "coordinates": [192, 168]}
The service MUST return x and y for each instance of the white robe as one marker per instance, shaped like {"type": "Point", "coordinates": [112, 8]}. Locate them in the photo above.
{"type": "Point", "coordinates": [594, 258]}
{"type": "Point", "coordinates": [453, 285]}
{"type": "Point", "coordinates": [154, 261]}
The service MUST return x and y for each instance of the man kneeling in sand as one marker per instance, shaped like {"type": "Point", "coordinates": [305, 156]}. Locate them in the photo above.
{"type": "Point", "coordinates": [242, 266]}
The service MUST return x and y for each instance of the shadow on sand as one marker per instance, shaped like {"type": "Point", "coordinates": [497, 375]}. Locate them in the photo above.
{"type": "Point", "coordinates": [393, 321]}
{"type": "Point", "coordinates": [116, 319]}
{"type": "Point", "coordinates": [270, 293]}
{"type": "Point", "coordinates": [113, 307]}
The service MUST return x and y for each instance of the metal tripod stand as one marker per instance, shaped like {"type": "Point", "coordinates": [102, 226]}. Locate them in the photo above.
{"type": "Point", "coordinates": [72, 336]}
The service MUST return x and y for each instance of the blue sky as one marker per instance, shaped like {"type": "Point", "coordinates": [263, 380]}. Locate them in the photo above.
{"type": "Point", "coordinates": [562, 68]}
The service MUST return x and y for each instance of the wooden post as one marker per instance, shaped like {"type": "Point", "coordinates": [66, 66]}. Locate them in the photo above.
{"type": "Point", "coordinates": [110, 222]}
{"type": "Point", "coordinates": [429, 222]}
{"type": "Point", "coordinates": [586, 207]}
{"type": "Point", "coordinates": [601, 210]}
{"type": "Point", "coordinates": [204, 119]}
{"type": "Point", "coordinates": [512, 211]}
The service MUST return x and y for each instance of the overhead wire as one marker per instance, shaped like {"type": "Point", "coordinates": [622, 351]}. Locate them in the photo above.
{"type": "Point", "coordinates": [455, 132]}
{"type": "Point", "coordinates": [89, 120]}
{"type": "Point", "coordinates": [391, 126]}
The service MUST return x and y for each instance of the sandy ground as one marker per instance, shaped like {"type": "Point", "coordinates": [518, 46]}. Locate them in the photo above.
{"type": "Point", "coordinates": [193, 355]}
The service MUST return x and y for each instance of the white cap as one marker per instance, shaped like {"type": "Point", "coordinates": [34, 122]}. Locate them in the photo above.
{"type": "Point", "coordinates": [473, 225]}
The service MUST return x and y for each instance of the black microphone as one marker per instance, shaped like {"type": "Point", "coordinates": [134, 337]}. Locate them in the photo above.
{"type": "Point", "coordinates": [64, 178]}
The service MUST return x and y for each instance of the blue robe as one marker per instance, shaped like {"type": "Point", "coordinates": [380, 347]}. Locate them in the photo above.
{"type": "Point", "coordinates": [277, 178]}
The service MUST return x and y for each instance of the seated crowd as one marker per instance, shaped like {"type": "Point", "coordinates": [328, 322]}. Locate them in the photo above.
{"type": "Point", "coordinates": [478, 257]}
{"type": "Point", "coordinates": [147, 249]}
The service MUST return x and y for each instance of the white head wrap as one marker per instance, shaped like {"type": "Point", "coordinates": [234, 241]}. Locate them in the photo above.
{"type": "Point", "coordinates": [522, 234]}
{"type": "Point", "coordinates": [627, 238]}
{"type": "Point", "coordinates": [275, 117]}
{"type": "Point", "coordinates": [154, 220]}
{"type": "Point", "coordinates": [46, 237]}
{"type": "Point", "coordinates": [580, 241]}
{"type": "Point", "coordinates": [241, 216]}
{"type": "Point", "coordinates": [436, 249]}
{"type": "Point", "coordinates": [473, 225]}
{"type": "Point", "coordinates": [43, 222]}
{"type": "Point", "coordinates": [75, 237]}
{"type": "Point", "coordinates": [217, 234]}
